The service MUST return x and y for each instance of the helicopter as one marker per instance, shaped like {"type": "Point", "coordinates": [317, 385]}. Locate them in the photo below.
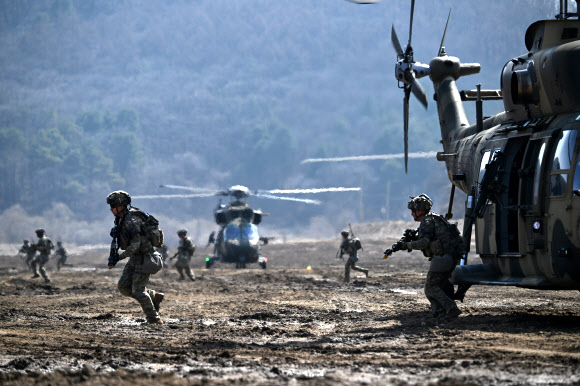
{"type": "Point", "coordinates": [238, 240]}
{"type": "Point", "coordinates": [520, 168]}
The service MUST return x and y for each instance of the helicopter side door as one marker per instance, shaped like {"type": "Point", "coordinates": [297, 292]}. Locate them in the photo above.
{"type": "Point", "coordinates": [564, 205]}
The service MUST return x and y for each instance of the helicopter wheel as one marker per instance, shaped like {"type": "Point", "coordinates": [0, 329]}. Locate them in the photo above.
{"type": "Point", "coordinates": [240, 265]}
{"type": "Point", "coordinates": [263, 265]}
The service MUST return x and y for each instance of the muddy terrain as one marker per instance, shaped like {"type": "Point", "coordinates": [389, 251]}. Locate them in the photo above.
{"type": "Point", "coordinates": [282, 325]}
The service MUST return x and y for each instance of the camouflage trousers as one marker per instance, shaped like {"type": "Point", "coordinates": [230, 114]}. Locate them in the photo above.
{"type": "Point", "coordinates": [182, 266]}
{"type": "Point", "coordinates": [133, 283]}
{"type": "Point", "coordinates": [29, 259]}
{"type": "Point", "coordinates": [37, 265]}
{"type": "Point", "coordinates": [437, 278]}
{"type": "Point", "coordinates": [61, 262]}
{"type": "Point", "coordinates": [351, 264]}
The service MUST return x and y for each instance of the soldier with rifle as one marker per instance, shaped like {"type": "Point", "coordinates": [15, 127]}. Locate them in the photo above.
{"type": "Point", "coordinates": [350, 246]}
{"type": "Point", "coordinates": [26, 251]}
{"type": "Point", "coordinates": [184, 253]}
{"type": "Point", "coordinates": [129, 234]}
{"type": "Point", "coordinates": [441, 242]}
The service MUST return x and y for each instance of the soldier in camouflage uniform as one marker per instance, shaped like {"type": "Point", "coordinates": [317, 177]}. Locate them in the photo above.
{"type": "Point", "coordinates": [348, 246]}
{"type": "Point", "coordinates": [440, 241]}
{"type": "Point", "coordinates": [27, 252]}
{"type": "Point", "coordinates": [44, 247]}
{"type": "Point", "coordinates": [62, 255]}
{"type": "Point", "coordinates": [184, 254]}
{"type": "Point", "coordinates": [133, 281]}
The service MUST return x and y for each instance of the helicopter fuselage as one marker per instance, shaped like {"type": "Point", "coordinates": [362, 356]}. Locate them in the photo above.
{"type": "Point", "coordinates": [529, 231]}
{"type": "Point", "coordinates": [239, 243]}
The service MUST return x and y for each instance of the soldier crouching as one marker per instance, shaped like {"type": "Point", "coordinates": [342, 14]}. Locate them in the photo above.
{"type": "Point", "coordinates": [128, 235]}
{"type": "Point", "coordinates": [440, 241]}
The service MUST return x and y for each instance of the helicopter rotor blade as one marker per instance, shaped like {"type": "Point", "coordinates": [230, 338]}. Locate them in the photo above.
{"type": "Point", "coordinates": [441, 47]}
{"type": "Point", "coordinates": [153, 196]}
{"type": "Point", "coordinates": [205, 190]}
{"type": "Point", "coordinates": [304, 200]}
{"type": "Point", "coordinates": [308, 191]}
{"type": "Point", "coordinates": [411, 22]}
{"type": "Point", "coordinates": [417, 89]}
{"type": "Point", "coordinates": [406, 123]}
{"type": "Point", "coordinates": [395, 42]}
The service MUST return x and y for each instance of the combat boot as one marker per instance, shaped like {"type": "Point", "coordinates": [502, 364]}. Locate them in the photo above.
{"type": "Point", "coordinates": [35, 276]}
{"type": "Point", "coordinates": [192, 278]}
{"type": "Point", "coordinates": [453, 313]}
{"type": "Point", "coordinates": [157, 299]}
{"type": "Point", "coordinates": [155, 321]}
{"type": "Point", "coordinates": [47, 280]}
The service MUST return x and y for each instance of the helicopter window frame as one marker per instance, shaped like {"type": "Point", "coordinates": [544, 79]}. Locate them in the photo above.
{"type": "Point", "coordinates": [538, 173]}
{"type": "Point", "coordinates": [486, 157]}
{"type": "Point", "coordinates": [559, 174]}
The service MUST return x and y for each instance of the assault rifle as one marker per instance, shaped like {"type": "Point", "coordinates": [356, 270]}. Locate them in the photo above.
{"type": "Point", "coordinates": [114, 251]}
{"type": "Point", "coordinates": [408, 236]}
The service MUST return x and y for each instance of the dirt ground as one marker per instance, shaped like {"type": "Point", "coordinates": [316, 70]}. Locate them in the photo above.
{"type": "Point", "coordinates": [282, 325]}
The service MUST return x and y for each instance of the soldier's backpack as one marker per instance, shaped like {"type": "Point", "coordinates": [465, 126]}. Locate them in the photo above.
{"type": "Point", "coordinates": [150, 228]}
{"type": "Point", "coordinates": [453, 242]}
{"type": "Point", "coordinates": [357, 244]}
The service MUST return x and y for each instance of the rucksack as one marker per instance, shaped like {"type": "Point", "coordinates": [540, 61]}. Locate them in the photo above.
{"type": "Point", "coordinates": [357, 244]}
{"type": "Point", "coordinates": [454, 241]}
{"type": "Point", "coordinates": [150, 228]}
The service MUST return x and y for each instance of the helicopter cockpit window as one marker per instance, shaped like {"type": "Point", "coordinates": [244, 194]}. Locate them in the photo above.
{"type": "Point", "coordinates": [562, 162]}
{"type": "Point", "coordinates": [232, 232]}
{"type": "Point", "coordinates": [250, 232]}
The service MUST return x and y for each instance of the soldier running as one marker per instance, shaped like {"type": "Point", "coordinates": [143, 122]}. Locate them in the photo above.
{"type": "Point", "coordinates": [128, 233]}
{"type": "Point", "coordinates": [184, 253]}
{"type": "Point", "coordinates": [44, 247]}
{"type": "Point", "coordinates": [440, 241]}
{"type": "Point", "coordinates": [28, 253]}
{"type": "Point", "coordinates": [62, 255]}
{"type": "Point", "coordinates": [349, 246]}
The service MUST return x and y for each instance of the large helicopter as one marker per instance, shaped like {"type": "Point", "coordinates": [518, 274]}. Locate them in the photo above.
{"type": "Point", "coordinates": [520, 168]}
{"type": "Point", "coordinates": [238, 240]}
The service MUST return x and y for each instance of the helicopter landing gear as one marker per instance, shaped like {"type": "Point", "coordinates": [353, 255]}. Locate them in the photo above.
{"type": "Point", "coordinates": [241, 263]}
{"type": "Point", "coordinates": [263, 265]}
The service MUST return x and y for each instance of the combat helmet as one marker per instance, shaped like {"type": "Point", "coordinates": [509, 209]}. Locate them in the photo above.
{"type": "Point", "coordinates": [25, 241]}
{"type": "Point", "coordinates": [344, 233]}
{"type": "Point", "coordinates": [39, 232]}
{"type": "Point", "coordinates": [119, 198]}
{"type": "Point", "coordinates": [421, 202]}
{"type": "Point", "coordinates": [182, 231]}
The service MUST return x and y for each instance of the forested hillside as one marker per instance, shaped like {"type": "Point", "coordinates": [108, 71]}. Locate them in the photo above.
{"type": "Point", "coordinates": [99, 95]}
